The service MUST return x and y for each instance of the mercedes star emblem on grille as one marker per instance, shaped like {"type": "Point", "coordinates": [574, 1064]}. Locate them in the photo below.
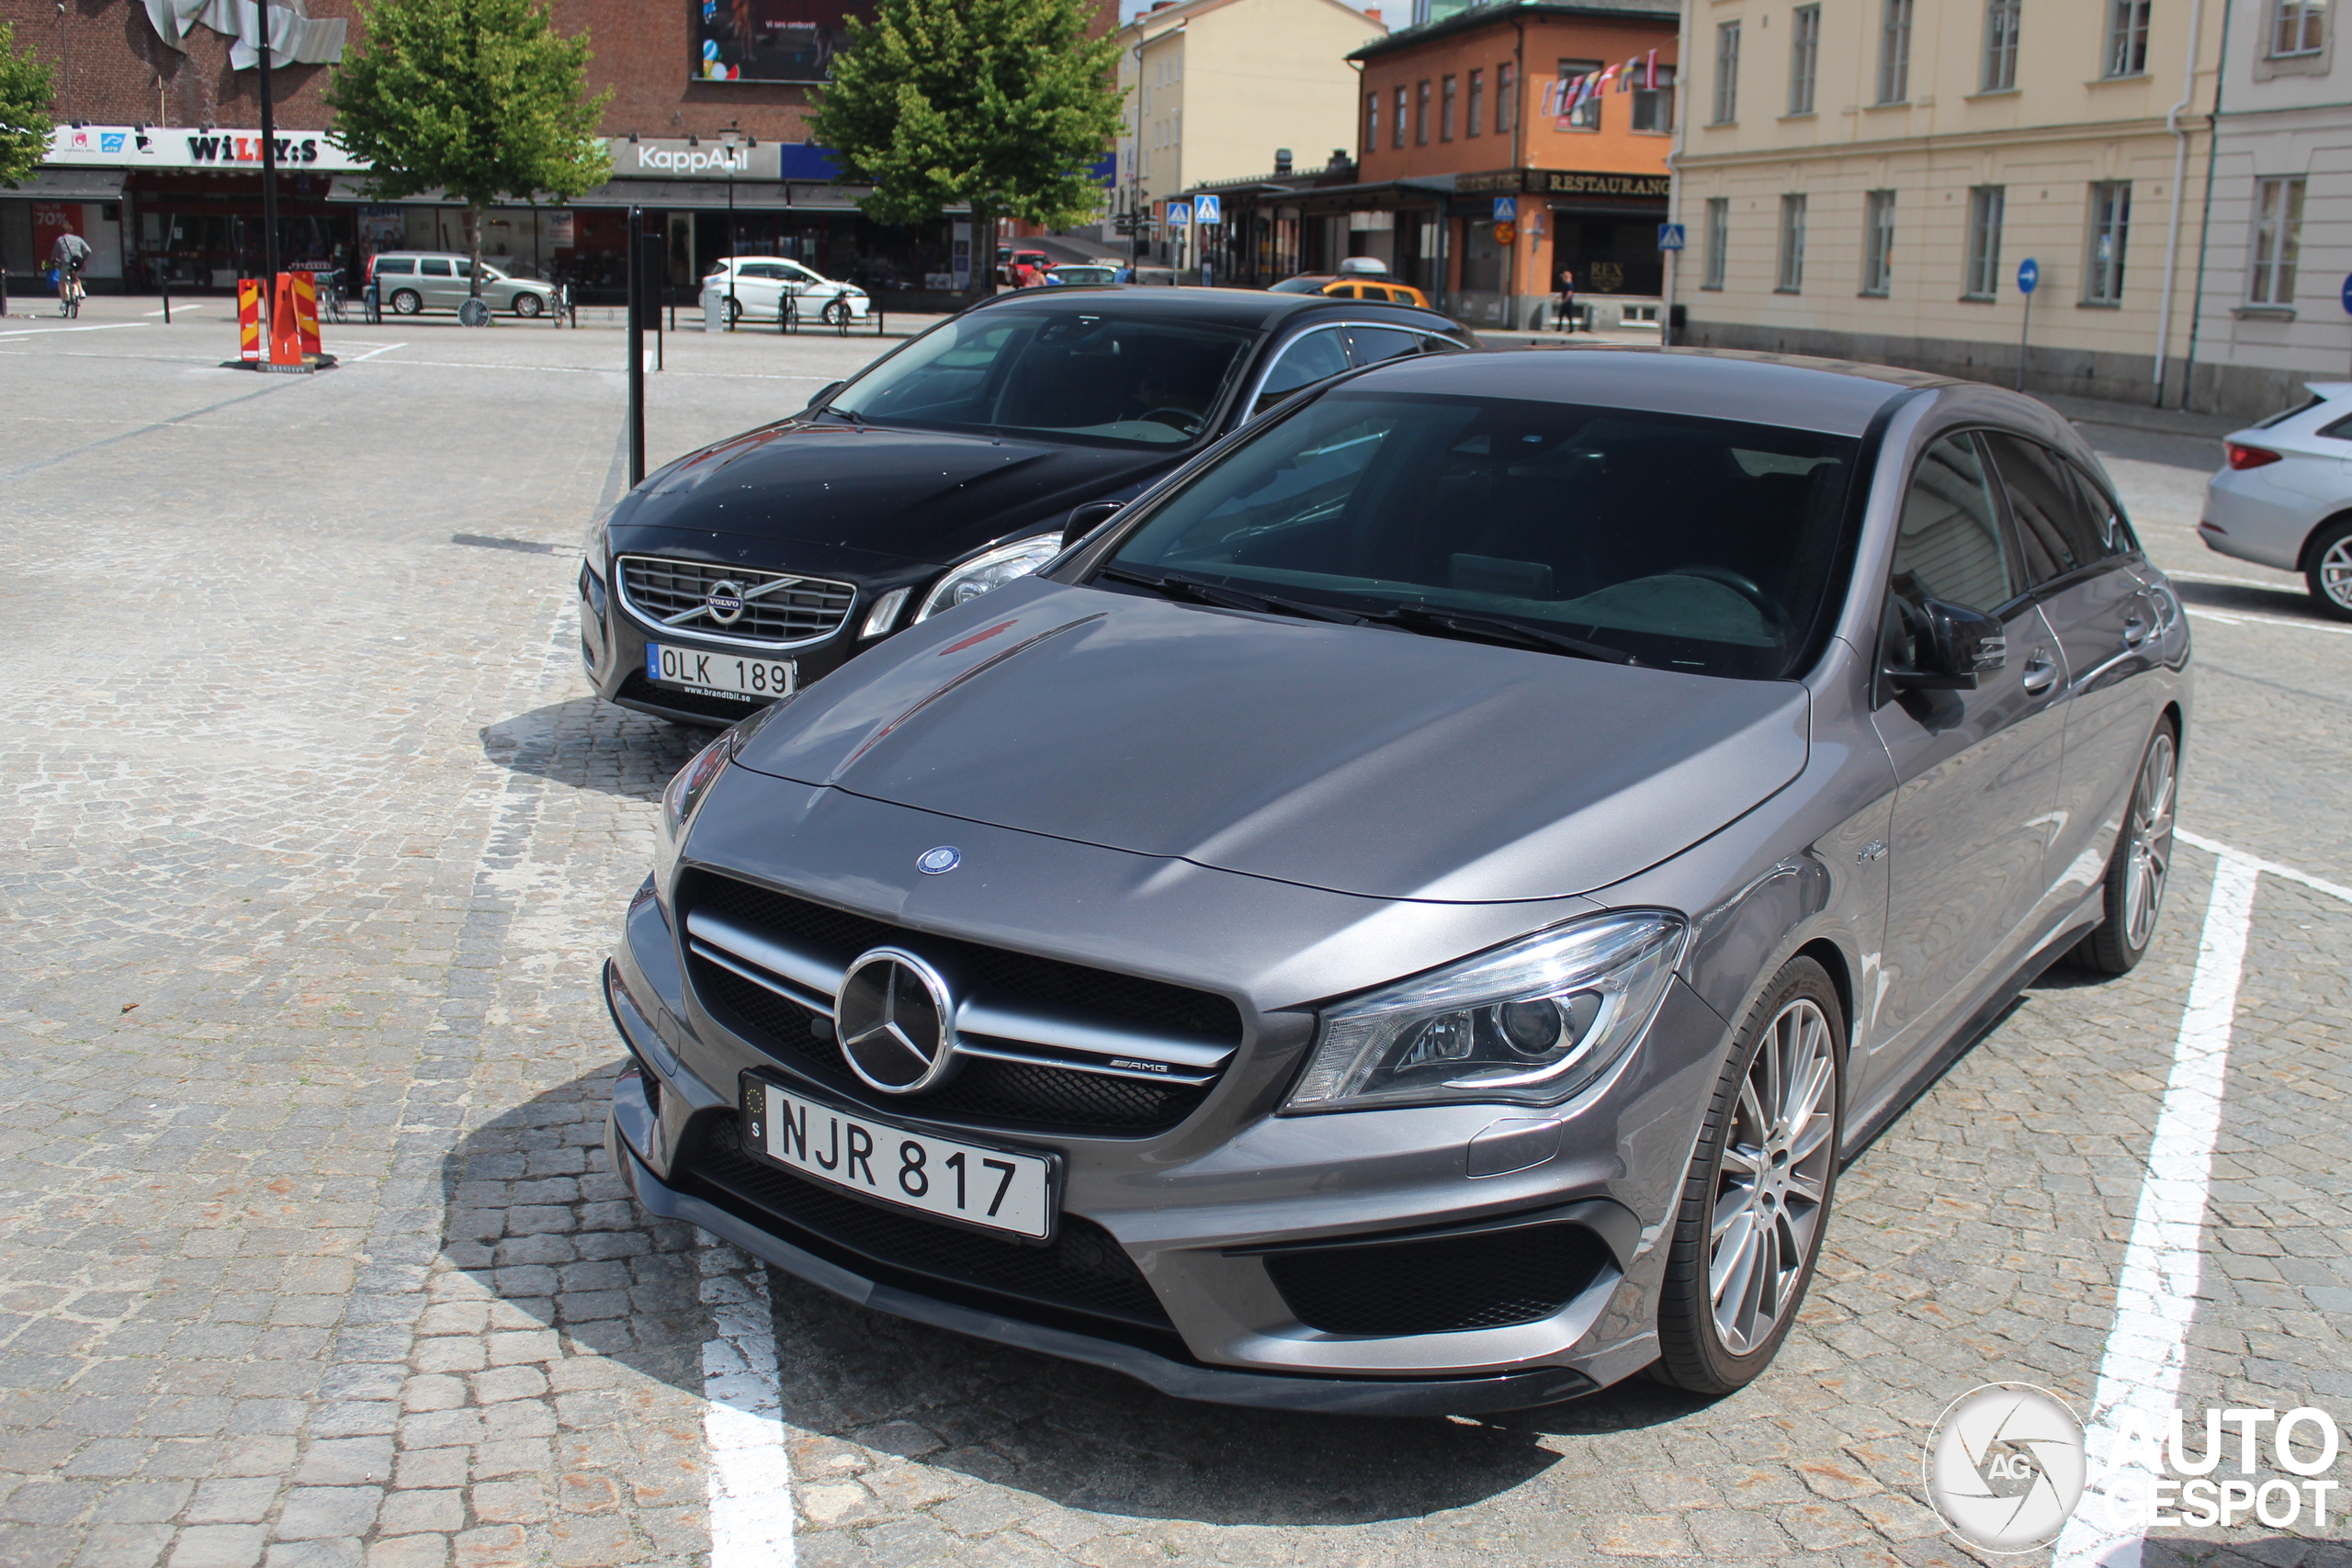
{"type": "Point", "coordinates": [938, 862]}
{"type": "Point", "coordinates": [896, 1020]}
{"type": "Point", "coordinates": [725, 603]}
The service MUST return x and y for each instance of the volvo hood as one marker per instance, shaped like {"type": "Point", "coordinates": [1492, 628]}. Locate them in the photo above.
{"type": "Point", "coordinates": [914, 495]}
{"type": "Point", "coordinates": [1350, 759]}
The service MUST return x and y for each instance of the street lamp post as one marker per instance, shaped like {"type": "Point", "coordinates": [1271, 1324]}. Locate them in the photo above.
{"type": "Point", "coordinates": [728, 140]}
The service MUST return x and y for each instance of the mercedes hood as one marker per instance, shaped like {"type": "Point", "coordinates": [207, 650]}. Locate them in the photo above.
{"type": "Point", "coordinates": [1350, 759]}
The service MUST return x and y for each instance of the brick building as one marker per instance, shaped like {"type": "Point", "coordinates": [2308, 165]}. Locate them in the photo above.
{"type": "Point", "coordinates": [1465, 179]}
{"type": "Point", "coordinates": [156, 157]}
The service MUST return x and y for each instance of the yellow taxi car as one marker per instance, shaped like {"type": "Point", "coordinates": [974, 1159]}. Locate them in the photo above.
{"type": "Point", "coordinates": [1350, 283]}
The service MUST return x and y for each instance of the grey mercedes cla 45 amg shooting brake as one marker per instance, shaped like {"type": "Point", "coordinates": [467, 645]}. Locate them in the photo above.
{"type": "Point", "coordinates": [1409, 914]}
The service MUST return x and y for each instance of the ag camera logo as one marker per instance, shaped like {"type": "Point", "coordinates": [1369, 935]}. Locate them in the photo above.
{"type": "Point", "coordinates": [2005, 1466]}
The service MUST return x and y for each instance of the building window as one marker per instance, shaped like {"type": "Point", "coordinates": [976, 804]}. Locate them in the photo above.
{"type": "Point", "coordinates": [1894, 51]}
{"type": "Point", "coordinates": [2300, 27]}
{"type": "Point", "coordinates": [1475, 112]}
{"type": "Point", "coordinates": [1804, 57]}
{"type": "Point", "coordinates": [1421, 115]}
{"type": "Point", "coordinates": [1982, 280]}
{"type": "Point", "coordinates": [1791, 279]}
{"type": "Point", "coordinates": [1397, 131]}
{"type": "Point", "coordinates": [2000, 46]}
{"type": "Point", "coordinates": [1878, 241]}
{"type": "Point", "coordinates": [2110, 231]}
{"type": "Point", "coordinates": [1718, 239]}
{"type": "Point", "coordinates": [1586, 115]}
{"type": "Point", "coordinates": [1445, 110]}
{"type": "Point", "coordinates": [1726, 73]}
{"type": "Point", "coordinates": [1654, 106]}
{"type": "Point", "coordinates": [2278, 235]}
{"type": "Point", "coordinates": [2127, 37]}
{"type": "Point", "coordinates": [1371, 122]}
{"type": "Point", "coordinates": [1506, 99]}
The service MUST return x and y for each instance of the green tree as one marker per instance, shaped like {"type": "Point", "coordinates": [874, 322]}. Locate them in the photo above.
{"type": "Point", "coordinates": [479, 98]}
{"type": "Point", "coordinates": [25, 124]}
{"type": "Point", "coordinates": [1002, 105]}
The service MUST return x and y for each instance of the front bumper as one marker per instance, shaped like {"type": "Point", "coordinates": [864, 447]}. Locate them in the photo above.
{"type": "Point", "coordinates": [1204, 1215]}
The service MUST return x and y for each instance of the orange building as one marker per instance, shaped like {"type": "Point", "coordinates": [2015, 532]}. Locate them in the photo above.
{"type": "Point", "coordinates": [1469, 181]}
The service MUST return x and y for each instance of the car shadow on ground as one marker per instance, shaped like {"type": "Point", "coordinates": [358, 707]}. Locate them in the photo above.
{"type": "Point", "coordinates": [589, 743]}
{"type": "Point", "coordinates": [563, 1249]}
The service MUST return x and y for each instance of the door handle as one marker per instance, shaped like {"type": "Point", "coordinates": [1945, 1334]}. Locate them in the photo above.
{"type": "Point", "coordinates": [2039, 673]}
{"type": "Point", "coordinates": [2135, 630]}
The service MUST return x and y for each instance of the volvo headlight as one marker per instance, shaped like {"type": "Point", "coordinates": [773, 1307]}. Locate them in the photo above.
{"type": "Point", "coordinates": [1528, 1024]}
{"type": "Point", "coordinates": [592, 548]}
{"type": "Point", "coordinates": [994, 570]}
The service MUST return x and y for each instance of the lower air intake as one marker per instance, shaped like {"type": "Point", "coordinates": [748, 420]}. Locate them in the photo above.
{"type": "Point", "coordinates": [1444, 1284]}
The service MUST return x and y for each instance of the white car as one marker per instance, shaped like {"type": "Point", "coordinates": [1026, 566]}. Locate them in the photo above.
{"type": "Point", "coordinates": [760, 283]}
{"type": "Point", "coordinates": [2285, 498]}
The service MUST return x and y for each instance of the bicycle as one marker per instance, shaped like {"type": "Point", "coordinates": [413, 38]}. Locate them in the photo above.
{"type": "Point", "coordinates": [70, 295]}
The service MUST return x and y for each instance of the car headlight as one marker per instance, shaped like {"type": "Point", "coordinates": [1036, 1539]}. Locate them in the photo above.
{"type": "Point", "coordinates": [994, 570]}
{"type": "Point", "coordinates": [691, 786]}
{"type": "Point", "coordinates": [1527, 1024]}
{"type": "Point", "coordinates": [592, 548]}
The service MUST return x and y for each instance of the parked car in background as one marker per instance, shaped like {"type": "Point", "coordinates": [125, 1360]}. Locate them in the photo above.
{"type": "Point", "coordinates": [411, 282]}
{"type": "Point", "coordinates": [1411, 916]}
{"type": "Point", "coordinates": [2285, 498]}
{"type": "Point", "coordinates": [743, 571]}
{"type": "Point", "coordinates": [757, 286]}
{"type": "Point", "coordinates": [1359, 278]}
{"type": "Point", "coordinates": [1088, 272]}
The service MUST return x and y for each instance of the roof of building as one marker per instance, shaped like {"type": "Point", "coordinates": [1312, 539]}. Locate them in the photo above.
{"type": "Point", "coordinates": [1665, 11]}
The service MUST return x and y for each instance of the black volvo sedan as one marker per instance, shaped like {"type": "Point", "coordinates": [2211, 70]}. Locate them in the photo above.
{"type": "Point", "coordinates": [741, 572]}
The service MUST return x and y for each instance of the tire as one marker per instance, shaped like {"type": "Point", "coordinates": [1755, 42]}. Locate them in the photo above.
{"type": "Point", "coordinates": [406, 303]}
{"type": "Point", "coordinates": [734, 312]}
{"type": "Point", "coordinates": [2133, 888]}
{"type": "Point", "coordinates": [836, 311]}
{"type": "Point", "coordinates": [528, 305]}
{"type": "Point", "coordinates": [2328, 571]}
{"type": "Point", "coordinates": [1756, 1202]}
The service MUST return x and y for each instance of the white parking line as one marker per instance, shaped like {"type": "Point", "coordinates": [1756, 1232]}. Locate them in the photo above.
{"type": "Point", "coordinates": [191, 305]}
{"type": "Point", "coordinates": [374, 351]}
{"type": "Point", "coordinates": [2155, 1298]}
{"type": "Point", "coordinates": [743, 1422]}
{"type": "Point", "coordinates": [2236, 618]}
{"type": "Point", "coordinates": [100, 327]}
{"type": "Point", "coordinates": [2267, 867]}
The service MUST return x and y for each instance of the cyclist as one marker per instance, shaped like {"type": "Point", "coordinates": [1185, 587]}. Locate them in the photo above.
{"type": "Point", "coordinates": [69, 255]}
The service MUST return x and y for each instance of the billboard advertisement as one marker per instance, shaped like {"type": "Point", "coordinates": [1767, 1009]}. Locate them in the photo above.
{"type": "Point", "coordinates": [771, 40]}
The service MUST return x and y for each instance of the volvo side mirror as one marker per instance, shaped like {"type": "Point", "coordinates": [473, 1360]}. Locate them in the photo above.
{"type": "Point", "coordinates": [1953, 645]}
{"type": "Point", "coordinates": [1084, 520]}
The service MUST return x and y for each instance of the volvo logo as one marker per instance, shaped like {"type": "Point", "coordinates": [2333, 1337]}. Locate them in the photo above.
{"type": "Point", "coordinates": [725, 603]}
{"type": "Point", "coordinates": [896, 1020]}
{"type": "Point", "coordinates": [935, 862]}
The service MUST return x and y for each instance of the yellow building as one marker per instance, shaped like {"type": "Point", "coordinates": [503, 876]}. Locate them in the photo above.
{"type": "Point", "coordinates": [1862, 178]}
{"type": "Point", "coordinates": [1215, 89]}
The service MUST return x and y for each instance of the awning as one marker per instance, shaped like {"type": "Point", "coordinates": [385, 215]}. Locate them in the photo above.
{"type": "Point", "coordinates": [70, 185]}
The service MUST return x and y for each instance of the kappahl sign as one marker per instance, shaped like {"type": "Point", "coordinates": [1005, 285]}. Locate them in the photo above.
{"type": "Point", "coordinates": [168, 147]}
{"type": "Point", "coordinates": [649, 159]}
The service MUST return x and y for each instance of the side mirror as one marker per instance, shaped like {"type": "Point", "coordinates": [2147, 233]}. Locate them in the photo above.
{"type": "Point", "coordinates": [1084, 520]}
{"type": "Point", "coordinates": [822, 398]}
{"type": "Point", "coordinates": [1953, 645]}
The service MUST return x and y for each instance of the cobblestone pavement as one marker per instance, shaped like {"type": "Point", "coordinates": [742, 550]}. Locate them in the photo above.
{"type": "Point", "coordinates": [311, 1258]}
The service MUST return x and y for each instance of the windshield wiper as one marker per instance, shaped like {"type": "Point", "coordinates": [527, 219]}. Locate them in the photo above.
{"type": "Point", "coordinates": [1485, 629]}
{"type": "Point", "coordinates": [1176, 587]}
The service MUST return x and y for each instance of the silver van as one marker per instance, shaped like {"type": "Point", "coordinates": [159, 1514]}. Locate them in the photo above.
{"type": "Point", "coordinates": [414, 281]}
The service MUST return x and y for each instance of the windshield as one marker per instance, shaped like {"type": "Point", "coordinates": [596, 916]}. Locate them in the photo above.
{"type": "Point", "coordinates": [1081, 373]}
{"type": "Point", "coordinates": [1688, 544]}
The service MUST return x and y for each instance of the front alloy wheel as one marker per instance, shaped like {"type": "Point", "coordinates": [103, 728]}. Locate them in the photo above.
{"type": "Point", "coordinates": [2136, 873]}
{"type": "Point", "coordinates": [1756, 1199]}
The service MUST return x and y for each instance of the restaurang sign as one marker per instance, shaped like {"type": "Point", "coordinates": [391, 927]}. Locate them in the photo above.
{"type": "Point", "coordinates": [1565, 181]}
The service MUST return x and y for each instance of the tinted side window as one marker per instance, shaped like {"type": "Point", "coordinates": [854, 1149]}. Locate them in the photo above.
{"type": "Point", "coordinates": [2056, 533]}
{"type": "Point", "coordinates": [2340, 430]}
{"type": "Point", "coordinates": [1370, 345]}
{"type": "Point", "coordinates": [1948, 542]}
{"type": "Point", "coordinates": [395, 263]}
{"type": "Point", "coordinates": [1307, 360]}
{"type": "Point", "coordinates": [432, 267]}
{"type": "Point", "coordinates": [2114, 528]}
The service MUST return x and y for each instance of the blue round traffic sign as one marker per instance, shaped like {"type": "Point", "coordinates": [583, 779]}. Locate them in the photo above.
{"type": "Point", "coordinates": [2348, 294]}
{"type": "Point", "coordinates": [2029, 274]}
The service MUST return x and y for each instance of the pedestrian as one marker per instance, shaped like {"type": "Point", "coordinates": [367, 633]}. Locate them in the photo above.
{"type": "Point", "coordinates": [1568, 300]}
{"type": "Point", "coordinates": [67, 257]}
